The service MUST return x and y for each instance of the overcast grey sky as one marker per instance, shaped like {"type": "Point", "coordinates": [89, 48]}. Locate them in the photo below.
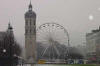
{"type": "Point", "coordinates": [72, 14]}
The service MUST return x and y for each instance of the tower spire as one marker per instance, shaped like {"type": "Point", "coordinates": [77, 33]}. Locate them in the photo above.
{"type": "Point", "coordinates": [30, 1]}
{"type": "Point", "coordinates": [9, 26]}
{"type": "Point", "coordinates": [10, 29]}
{"type": "Point", "coordinates": [30, 6]}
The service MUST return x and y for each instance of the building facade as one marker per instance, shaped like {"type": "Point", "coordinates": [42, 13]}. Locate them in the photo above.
{"type": "Point", "coordinates": [30, 35]}
{"type": "Point", "coordinates": [6, 40]}
{"type": "Point", "coordinates": [93, 43]}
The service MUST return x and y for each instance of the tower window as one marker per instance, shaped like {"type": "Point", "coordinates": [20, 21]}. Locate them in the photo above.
{"type": "Point", "coordinates": [34, 22]}
{"type": "Point", "coordinates": [26, 22]}
{"type": "Point", "coordinates": [30, 21]}
{"type": "Point", "coordinates": [26, 31]}
{"type": "Point", "coordinates": [34, 31]}
{"type": "Point", "coordinates": [30, 31]}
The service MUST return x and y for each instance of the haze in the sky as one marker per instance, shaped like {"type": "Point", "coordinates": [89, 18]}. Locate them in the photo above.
{"type": "Point", "coordinates": [77, 16]}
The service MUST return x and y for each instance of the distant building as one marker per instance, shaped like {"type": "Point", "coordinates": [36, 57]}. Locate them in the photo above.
{"type": "Point", "coordinates": [4, 41]}
{"type": "Point", "coordinates": [2, 34]}
{"type": "Point", "coordinates": [93, 43]}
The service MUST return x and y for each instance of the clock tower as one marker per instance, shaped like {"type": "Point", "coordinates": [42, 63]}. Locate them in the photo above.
{"type": "Point", "coordinates": [30, 35]}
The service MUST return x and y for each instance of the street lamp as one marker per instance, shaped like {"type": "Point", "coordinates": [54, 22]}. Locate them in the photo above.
{"type": "Point", "coordinates": [4, 50]}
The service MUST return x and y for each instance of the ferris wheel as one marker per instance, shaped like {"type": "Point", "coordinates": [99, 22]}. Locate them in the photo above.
{"type": "Point", "coordinates": [53, 38]}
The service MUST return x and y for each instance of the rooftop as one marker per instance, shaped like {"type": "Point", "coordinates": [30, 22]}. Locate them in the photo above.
{"type": "Point", "coordinates": [93, 32]}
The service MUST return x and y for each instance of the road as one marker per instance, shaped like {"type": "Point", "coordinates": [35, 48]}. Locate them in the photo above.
{"type": "Point", "coordinates": [51, 65]}
{"type": "Point", "coordinates": [63, 65]}
{"type": "Point", "coordinates": [66, 65]}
